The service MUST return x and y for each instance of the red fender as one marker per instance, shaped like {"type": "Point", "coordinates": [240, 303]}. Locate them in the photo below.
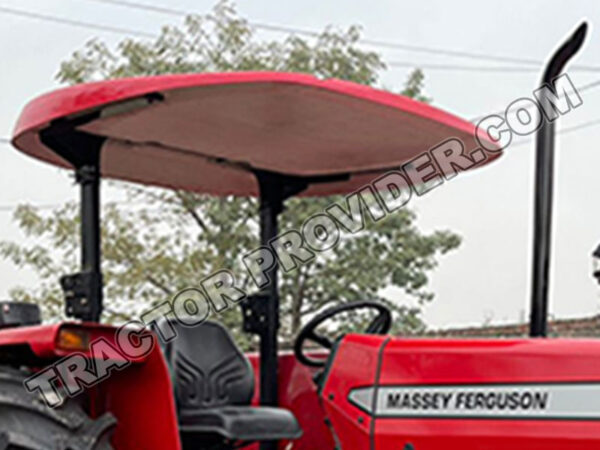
{"type": "Point", "coordinates": [140, 396]}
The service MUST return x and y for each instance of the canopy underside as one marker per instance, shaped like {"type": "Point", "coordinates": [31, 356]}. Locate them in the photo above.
{"type": "Point", "coordinates": [208, 132]}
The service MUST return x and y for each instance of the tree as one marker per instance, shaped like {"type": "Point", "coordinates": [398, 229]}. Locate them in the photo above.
{"type": "Point", "coordinates": [414, 86]}
{"type": "Point", "coordinates": [161, 241]}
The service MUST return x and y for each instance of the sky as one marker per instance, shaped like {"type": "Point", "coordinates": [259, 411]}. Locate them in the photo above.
{"type": "Point", "coordinates": [487, 278]}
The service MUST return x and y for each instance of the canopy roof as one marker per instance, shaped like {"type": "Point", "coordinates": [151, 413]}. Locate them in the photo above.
{"type": "Point", "coordinates": [207, 132]}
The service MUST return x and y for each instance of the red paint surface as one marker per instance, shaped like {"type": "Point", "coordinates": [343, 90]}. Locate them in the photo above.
{"type": "Point", "coordinates": [215, 124]}
{"type": "Point", "coordinates": [42, 338]}
{"type": "Point", "coordinates": [355, 365]}
{"type": "Point", "coordinates": [82, 97]}
{"type": "Point", "coordinates": [439, 362]}
{"type": "Point", "coordinates": [141, 397]}
{"type": "Point", "coordinates": [298, 393]}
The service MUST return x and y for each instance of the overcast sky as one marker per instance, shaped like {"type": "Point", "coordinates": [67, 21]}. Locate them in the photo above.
{"type": "Point", "coordinates": [488, 277]}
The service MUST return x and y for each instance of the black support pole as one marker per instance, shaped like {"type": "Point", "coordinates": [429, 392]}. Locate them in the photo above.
{"type": "Point", "coordinates": [274, 190]}
{"type": "Point", "coordinates": [270, 207]}
{"type": "Point", "coordinates": [83, 290]}
{"type": "Point", "coordinates": [544, 185]}
{"type": "Point", "coordinates": [88, 177]}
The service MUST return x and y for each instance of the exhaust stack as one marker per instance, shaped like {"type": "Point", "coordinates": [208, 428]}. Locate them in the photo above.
{"type": "Point", "coordinates": [544, 183]}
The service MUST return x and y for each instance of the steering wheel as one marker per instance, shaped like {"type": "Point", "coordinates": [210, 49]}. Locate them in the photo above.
{"type": "Point", "coordinates": [381, 324]}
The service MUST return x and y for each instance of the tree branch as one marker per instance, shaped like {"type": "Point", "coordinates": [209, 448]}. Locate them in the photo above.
{"type": "Point", "coordinates": [298, 300]}
{"type": "Point", "coordinates": [156, 283]}
{"type": "Point", "coordinates": [191, 211]}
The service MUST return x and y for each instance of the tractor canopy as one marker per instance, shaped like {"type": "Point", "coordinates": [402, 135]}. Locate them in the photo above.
{"type": "Point", "coordinates": [210, 132]}
{"type": "Point", "coordinates": [272, 135]}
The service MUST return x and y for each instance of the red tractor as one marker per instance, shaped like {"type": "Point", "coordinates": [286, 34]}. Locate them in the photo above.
{"type": "Point", "coordinates": [187, 385]}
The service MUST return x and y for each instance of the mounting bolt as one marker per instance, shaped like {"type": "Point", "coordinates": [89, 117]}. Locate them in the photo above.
{"type": "Point", "coordinates": [331, 396]}
{"type": "Point", "coordinates": [361, 419]}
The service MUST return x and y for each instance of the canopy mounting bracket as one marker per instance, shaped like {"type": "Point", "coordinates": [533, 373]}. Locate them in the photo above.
{"type": "Point", "coordinates": [83, 290]}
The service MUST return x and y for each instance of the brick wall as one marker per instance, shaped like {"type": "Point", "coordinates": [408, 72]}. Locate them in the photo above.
{"type": "Point", "coordinates": [583, 327]}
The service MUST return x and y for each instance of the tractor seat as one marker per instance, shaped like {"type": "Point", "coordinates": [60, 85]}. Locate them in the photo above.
{"type": "Point", "coordinates": [214, 385]}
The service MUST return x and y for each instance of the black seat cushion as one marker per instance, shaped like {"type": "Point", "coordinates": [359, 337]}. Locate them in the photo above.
{"type": "Point", "coordinates": [214, 385]}
{"type": "Point", "coordinates": [243, 423]}
{"type": "Point", "coordinates": [208, 367]}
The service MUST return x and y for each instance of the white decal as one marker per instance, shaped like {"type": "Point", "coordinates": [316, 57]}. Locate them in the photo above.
{"type": "Point", "coordinates": [528, 401]}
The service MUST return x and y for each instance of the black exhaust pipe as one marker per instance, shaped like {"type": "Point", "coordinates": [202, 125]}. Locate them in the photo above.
{"type": "Point", "coordinates": [544, 183]}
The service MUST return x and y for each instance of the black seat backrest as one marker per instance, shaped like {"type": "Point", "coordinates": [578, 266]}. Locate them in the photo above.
{"type": "Point", "coordinates": [208, 368]}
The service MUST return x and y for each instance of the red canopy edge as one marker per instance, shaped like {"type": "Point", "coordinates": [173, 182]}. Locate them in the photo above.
{"type": "Point", "coordinates": [88, 97]}
{"type": "Point", "coordinates": [81, 97]}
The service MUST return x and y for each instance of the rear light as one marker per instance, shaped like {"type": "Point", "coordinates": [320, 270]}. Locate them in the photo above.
{"type": "Point", "coordinates": [73, 339]}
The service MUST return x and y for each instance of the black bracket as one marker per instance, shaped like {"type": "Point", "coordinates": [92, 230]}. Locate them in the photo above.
{"type": "Point", "coordinates": [80, 290]}
{"type": "Point", "coordinates": [255, 312]}
{"type": "Point", "coordinates": [18, 314]}
{"type": "Point", "coordinates": [83, 290]}
{"type": "Point", "coordinates": [87, 174]}
{"type": "Point", "coordinates": [276, 187]}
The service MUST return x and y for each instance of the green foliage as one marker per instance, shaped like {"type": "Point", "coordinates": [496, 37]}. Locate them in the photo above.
{"type": "Point", "coordinates": [165, 240]}
{"type": "Point", "coordinates": [414, 86]}
{"type": "Point", "coordinates": [221, 41]}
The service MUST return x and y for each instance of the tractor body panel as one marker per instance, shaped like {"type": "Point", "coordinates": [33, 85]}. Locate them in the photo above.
{"type": "Point", "coordinates": [471, 394]}
{"type": "Point", "coordinates": [140, 395]}
{"type": "Point", "coordinates": [141, 398]}
{"type": "Point", "coordinates": [298, 394]}
{"type": "Point", "coordinates": [381, 392]}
